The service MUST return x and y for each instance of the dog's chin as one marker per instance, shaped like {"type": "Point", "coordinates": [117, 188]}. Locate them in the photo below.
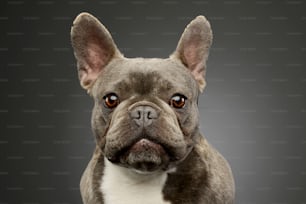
{"type": "Point", "coordinates": [145, 156]}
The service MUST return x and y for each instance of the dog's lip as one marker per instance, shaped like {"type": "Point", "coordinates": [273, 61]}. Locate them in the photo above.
{"type": "Point", "coordinates": [145, 155]}
{"type": "Point", "coordinates": [137, 144]}
{"type": "Point", "coordinates": [164, 148]}
{"type": "Point", "coordinates": [144, 143]}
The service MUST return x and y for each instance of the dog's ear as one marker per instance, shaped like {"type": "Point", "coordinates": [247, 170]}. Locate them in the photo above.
{"type": "Point", "coordinates": [93, 48]}
{"type": "Point", "coordinates": [193, 48]}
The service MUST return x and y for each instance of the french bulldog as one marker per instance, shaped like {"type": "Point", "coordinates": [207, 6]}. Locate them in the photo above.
{"type": "Point", "coordinates": [149, 149]}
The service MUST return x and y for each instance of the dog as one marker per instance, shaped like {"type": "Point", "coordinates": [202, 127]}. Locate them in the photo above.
{"type": "Point", "coordinates": [149, 149]}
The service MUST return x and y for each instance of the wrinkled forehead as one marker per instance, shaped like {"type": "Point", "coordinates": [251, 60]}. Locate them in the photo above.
{"type": "Point", "coordinates": [146, 76]}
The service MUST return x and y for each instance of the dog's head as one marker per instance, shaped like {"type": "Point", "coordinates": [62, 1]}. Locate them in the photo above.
{"type": "Point", "coordinates": [145, 115]}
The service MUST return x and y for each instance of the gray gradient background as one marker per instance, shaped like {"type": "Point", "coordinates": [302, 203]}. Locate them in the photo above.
{"type": "Point", "coordinates": [253, 110]}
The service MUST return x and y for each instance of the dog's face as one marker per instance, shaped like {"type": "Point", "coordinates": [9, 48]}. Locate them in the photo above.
{"type": "Point", "coordinates": [145, 115]}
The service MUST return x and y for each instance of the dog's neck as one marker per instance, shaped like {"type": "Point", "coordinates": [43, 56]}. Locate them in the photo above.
{"type": "Point", "coordinates": [121, 185]}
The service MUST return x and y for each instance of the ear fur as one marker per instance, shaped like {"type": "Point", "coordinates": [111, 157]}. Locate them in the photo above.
{"type": "Point", "coordinates": [193, 48]}
{"type": "Point", "coordinates": [93, 48]}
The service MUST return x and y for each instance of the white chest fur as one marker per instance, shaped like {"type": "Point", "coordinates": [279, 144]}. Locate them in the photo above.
{"type": "Point", "coordinates": [124, 186]}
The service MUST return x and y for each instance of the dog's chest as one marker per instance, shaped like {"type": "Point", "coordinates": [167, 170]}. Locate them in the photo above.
{"type": "Point", "coordinates": [121, 186]}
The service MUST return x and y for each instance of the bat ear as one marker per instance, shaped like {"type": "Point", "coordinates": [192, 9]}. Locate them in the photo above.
{"type": "Point", "coordinates": [193, 48]}
{"type": "Point", "coordinates": [93, 48]}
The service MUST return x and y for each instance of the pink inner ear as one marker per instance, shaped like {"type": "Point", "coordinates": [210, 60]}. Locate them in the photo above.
{"type": "Point", "coordinates": [194, 58]}
{"type": "Point", "coordinates": [96, 57]}
{"type": "Point", "coordinates": [191, 55]}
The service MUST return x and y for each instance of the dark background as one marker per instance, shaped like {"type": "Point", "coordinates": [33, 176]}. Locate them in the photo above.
{"type": "Point", "coordinates": [253, 110]}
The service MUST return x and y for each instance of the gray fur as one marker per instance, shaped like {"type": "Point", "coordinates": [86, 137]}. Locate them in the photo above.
{"type": "Point", "coordinates": [202, 175]}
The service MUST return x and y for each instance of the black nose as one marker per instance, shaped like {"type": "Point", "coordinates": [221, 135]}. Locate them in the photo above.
{"type": "Point", "coordinates": [143, 115]}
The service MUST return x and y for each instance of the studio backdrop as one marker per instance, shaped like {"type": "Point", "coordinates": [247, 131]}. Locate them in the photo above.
{"type": "Point", "coordinates": [253, 109]}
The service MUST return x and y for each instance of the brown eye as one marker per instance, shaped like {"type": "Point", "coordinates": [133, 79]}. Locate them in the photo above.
{"type": "Point", "coordinates": [111, 100]}
{"type": "Point", "coordinates": [178, 101]}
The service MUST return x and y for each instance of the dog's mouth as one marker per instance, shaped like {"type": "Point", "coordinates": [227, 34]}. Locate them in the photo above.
{"type": "Point", "coordinates": [144, 155]}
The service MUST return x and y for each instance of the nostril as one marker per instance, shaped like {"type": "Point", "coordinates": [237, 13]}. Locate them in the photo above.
{"type": "Point", "coordinates": [151, 115]}
{"type": "Point", "coordinates": [139, 115]}
{"type": "Point", "coordinates": [136, 114]}
{"type": "Point", "coordinates": [143, 115]}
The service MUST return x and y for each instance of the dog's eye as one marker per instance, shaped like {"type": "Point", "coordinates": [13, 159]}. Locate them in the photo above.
{"type": "Point", "coordinates": [178, 101]}
{"type": "Point", "coordinates": [111, 100]}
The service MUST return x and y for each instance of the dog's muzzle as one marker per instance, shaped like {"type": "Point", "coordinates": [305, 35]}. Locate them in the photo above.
{"type": "Point", "coordinates": [149, 142]}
